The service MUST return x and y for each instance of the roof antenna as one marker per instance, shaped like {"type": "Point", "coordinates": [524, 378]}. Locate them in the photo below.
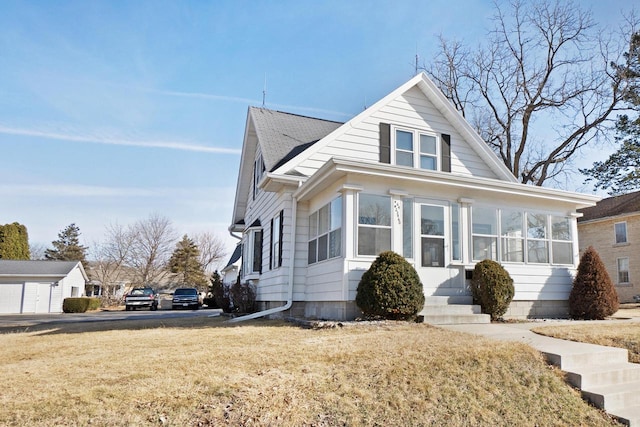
{"type": "Point", "coordinates": [264, 90]}
{"type": "Point", "coordinates": [365, 104]}
{"type": "Point", "coordinates": [416, 67]}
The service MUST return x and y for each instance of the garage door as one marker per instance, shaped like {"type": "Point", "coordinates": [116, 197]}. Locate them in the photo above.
{"type": "Point", "coordinates": [10, 298]}
{"type": "Point", "coordinates": [37, 297]}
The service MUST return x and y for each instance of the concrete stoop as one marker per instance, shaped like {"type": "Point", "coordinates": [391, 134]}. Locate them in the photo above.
{"type": "Point", "coordinates": [604, 377]}
{"type": "Point", "coordinates": [445, 310]}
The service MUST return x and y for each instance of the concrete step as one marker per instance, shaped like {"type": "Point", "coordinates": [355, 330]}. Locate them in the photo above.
{"type": "Point", "coordinates": [578, 357]}
{"type": "Point", "coordinates": [448, 299]}
{"type": "Point", "coordinates": [628, 416]}
{"type": "Point", "coordinates": [615, 396]}
{"type": "Point", "coordinates": [602, 375]}
{"type": "Point", "coordinates": [451, 309]}
{"type": "Point", "coordinates": [456, 319]}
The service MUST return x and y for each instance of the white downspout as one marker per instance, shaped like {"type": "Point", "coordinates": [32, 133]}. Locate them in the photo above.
{"type": "Point", "coordinates": [287, 305]}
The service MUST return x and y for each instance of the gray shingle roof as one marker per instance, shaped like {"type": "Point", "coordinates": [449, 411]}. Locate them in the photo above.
{"type": "Point", "coordinates": [36, 268]}
{"type": "Point", "coordinates": [612, 206]}
{"type": "Point", "coordinates": [282, 135]}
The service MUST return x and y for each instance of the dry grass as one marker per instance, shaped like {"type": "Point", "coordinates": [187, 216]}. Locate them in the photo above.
{"type": "Point", "coordinates": [615, 334]}
{"type": "Point", "coordinates": [202, 372]}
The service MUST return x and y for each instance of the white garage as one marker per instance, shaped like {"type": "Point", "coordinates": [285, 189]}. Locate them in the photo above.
{"type": "Point", "coordinates": [39, 286]}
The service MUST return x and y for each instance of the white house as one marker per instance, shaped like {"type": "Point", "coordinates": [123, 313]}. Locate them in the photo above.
{"type": "Point", "coordinates": [317, 201]}
{"type": "Point", "coordinates": [231, 271]}
{"type": "Point", "coordinates": [39, 286]}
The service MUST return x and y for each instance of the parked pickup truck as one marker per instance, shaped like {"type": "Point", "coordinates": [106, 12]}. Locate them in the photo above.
{"type": "Point", "coordinates": [141, 297]}
{"type": "Point", "coordinates": [185, 298]}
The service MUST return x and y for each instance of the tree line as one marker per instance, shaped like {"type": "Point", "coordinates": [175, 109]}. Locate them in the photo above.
{"type": "Point", "coordinates": [146, 252]}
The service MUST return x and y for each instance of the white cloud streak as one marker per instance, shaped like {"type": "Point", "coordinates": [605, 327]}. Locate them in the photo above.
{"type": "Point", "coordinates": [173, 145]}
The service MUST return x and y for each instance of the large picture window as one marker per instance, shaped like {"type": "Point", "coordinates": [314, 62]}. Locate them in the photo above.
{"type": "Point", "coordinates": [416, 149]}
{"type": "Point", "coordinates": [374, 224]}
{"type": "Point", "coordinates": [484, 228]}
{"type": "Point", "coordinates": [325, 232]}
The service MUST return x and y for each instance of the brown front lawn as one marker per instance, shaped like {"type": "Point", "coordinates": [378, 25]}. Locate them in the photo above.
{"type": "Point", "coordinates": [203, 372]}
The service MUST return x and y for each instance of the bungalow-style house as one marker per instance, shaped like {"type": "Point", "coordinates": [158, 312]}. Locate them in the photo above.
{"type": "Point", "coordinates": [39, 286]}
{"type": "Point", "coordinates": [612, 227]}
{"type": "Point", "coordinates": [317, 201]}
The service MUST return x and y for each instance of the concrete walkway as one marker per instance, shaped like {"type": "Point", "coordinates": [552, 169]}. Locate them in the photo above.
{"type": "Point", "coordinates": [603, 374]}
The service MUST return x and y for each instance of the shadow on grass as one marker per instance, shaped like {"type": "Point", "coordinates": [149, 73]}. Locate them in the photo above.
{"type": "Point", "coordinates": [65, 327]}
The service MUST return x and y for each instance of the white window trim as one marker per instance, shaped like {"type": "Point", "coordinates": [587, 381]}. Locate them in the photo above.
{"type": "Point", "coordinates": [249, 252]}
{"type": "Point", "coordinates": [618, 282]}
{"type": "Point", "coordinates": [416, 146]}
{"type": "Point", "coordinates": [626, 234]}
{"type": "Point", "coordinates": [385, 227]}
{"type": "Point", "coordinates": [328, 232]}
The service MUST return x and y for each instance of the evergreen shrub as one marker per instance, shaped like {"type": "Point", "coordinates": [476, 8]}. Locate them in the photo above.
{"type": "Point", "coordinates": [593, 295]}
{"type": "Point", "coordinates": [80, 305]}
{"type": "Point", "coordinates": [492, 288]}
{"type": "Point", "coordinates": [390, 289]}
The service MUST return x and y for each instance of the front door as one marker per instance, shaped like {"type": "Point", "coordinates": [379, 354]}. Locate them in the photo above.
{"type": "Point", "coordinates": [433, 246]}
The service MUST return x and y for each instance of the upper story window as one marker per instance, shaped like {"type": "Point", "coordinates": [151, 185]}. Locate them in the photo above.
{"type": "Point", "coordinates": [258, 172]}
{"type": "Point", "coordinates": [415, 148]}
{"type": "Point", "coordinates": [325, 232]}
{"type": "Point", "coordinates": [620, 229]}
{"type": "Point", "coordinates": [374, 224]}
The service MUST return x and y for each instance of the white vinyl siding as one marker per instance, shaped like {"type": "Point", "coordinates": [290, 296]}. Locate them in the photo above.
{"type": "Point", "coordinates": [412, 111]}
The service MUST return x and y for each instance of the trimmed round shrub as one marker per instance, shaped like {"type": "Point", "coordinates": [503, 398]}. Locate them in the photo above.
{"type": "Point", "coordinates": [492, 288]}
{"type": "Point", "coordinates": [80, 304]}
{"type": "Point", "coordinates": [593, 295]}
{"type": "Point", "coordinates": [390, 289]}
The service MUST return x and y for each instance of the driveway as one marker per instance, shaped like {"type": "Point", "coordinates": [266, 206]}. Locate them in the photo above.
{"type": "Point", "coordinates": [10, 321]}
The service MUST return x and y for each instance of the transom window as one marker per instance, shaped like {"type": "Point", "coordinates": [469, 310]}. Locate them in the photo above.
{"type": "Point", "coordinates": [415, 148]}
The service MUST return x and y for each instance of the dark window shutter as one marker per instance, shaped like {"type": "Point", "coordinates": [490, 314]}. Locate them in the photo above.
{"type": "Point", "coordinates": [271, 263]}
{"type": "Point", "coordinates": [445, 152]}
{"type": "Point", "coordinates": [385, 143]}
{"type": "Point", "coordinates": [280, 233]}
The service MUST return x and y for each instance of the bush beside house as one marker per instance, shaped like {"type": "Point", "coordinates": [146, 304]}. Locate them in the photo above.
{"type": "Point", "coordinates": [593, 295]}
{"type": "Point", "coordinates": [390, 289]}
{"type": "Point", "coordinates": [492, 288]}
{"type": "Point", "coordinates": [80, 305]}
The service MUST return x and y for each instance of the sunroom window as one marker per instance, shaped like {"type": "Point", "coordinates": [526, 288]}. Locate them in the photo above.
{"type": "Point", "coordinates": [484, 228]}
{"type": "Point", "coordinates": [561, 240]}
{"type": "Point", "coordinates": [374, 224]}
{"type": "Point", "coordinates": [325, 232]}
{"type": "Point", "coordinates": [537, 243]}
{"type": "Point", "coordinates": [511, 231]}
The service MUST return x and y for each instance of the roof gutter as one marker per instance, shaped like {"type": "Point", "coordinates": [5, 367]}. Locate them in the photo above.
{"type": "Point", "coordinates": [289, 302]}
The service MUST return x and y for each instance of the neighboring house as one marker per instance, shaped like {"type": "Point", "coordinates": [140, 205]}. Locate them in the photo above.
{"type": "Point", "coordinates": [317, 201]}
{"type": "Point", "coordinates": [39, 286]}
{"type": "Point", "coordinates": [231, 271]}
{"type": "Point", "coordinates": [612, 227]}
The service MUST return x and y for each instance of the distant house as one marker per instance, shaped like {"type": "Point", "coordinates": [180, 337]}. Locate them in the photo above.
{"type": "Point", "coordinates": [39, 286]}
{"type": "Point", "coordinates": [317, 201]}
{"type": "Point", "coordinates": [612, 227]}
{"type": "Point", "coordinates": [231, 271]}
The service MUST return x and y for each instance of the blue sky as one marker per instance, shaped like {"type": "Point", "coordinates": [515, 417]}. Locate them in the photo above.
{"type": "Point", "coordinates": [113, 110]}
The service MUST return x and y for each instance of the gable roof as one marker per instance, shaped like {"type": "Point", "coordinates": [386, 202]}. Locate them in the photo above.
{"type": "Point", "coordinates": [38, 268]}
{"type": "Point", "coordinates": [448, 111]}
{"type": "Point", "coordinates": [281, 135]}
{"type": "Point", "coordinates": [612, 206]}
{"type": "Point", "coordinates": [235, 257]}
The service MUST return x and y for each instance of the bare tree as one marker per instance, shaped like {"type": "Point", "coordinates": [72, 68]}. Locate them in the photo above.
{"type": "Point", "coordinates": [37, 251]}
{"type": "Point", "coordinates": [109, 266]}
{"type": "Point", "coordinates": [212, 250]}
{"type": "Point", "coordinates": [543, 86]}
{"type": "Point", "coordinates": [153, 242]}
